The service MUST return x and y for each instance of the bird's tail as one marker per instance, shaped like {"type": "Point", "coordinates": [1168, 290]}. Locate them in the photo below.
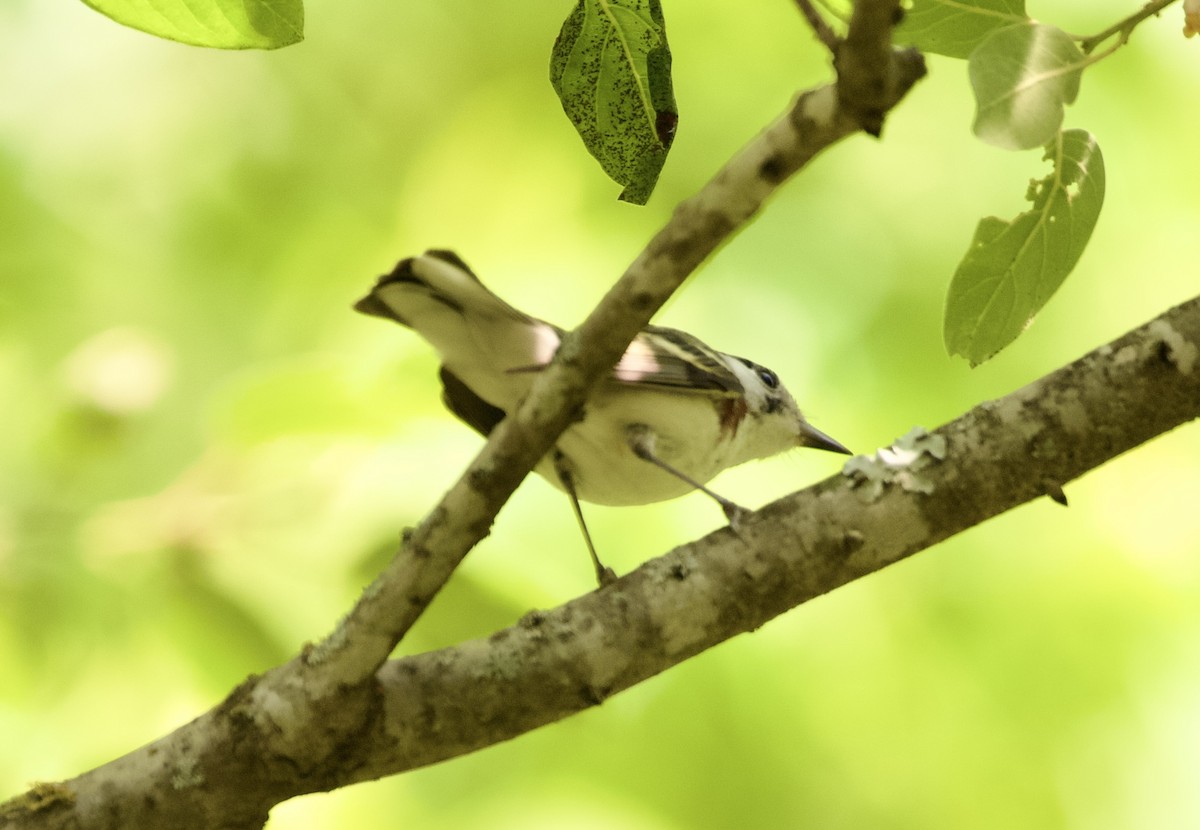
{"type": "Point", "coordinates": [481, 339]}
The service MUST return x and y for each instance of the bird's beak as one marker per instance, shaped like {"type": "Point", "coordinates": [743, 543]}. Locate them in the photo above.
{"type": "Point", "coordinates": [810, 436]}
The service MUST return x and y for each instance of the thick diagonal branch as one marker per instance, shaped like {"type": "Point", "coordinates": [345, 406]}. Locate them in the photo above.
{"type": "Point", "coordinates": [430, 707]}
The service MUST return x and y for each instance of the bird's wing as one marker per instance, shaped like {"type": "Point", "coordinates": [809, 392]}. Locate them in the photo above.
{"type": "Point", "coordinates": [674, 360]}
{"type": "Point", "coordinates": [669, 359]}
{"type": "Point", "coordinates": [468, 407]}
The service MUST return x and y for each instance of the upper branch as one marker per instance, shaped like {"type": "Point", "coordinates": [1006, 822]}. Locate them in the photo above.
{"type": "Point", "coordinates": [817, 119]}
{"type": "Point", "coordinates": [305, 725]}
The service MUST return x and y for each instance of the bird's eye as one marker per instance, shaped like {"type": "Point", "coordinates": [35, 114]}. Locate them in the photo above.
{"type": "Point", "coordinates": [769, 378]}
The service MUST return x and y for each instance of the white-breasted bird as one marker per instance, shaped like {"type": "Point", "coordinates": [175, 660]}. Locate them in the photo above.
{"type": "Point", "coordinates": [673, 413]}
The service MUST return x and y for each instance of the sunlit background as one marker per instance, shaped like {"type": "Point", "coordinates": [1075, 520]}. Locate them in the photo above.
{"type": "Point", "coordinates": [205, 455]}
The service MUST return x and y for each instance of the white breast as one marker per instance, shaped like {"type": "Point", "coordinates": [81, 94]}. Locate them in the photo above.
{"type": "Point", "coordinates": [606, 471]}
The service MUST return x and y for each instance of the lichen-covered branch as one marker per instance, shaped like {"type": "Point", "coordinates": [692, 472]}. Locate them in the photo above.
{"type": "Point", "coordinates": [999, 455]}
{"type": "Point", "coordinates": [221, 771]}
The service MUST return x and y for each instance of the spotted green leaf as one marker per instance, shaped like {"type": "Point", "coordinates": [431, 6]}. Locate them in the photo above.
{"type": "Point", "coordinates": [220, 24]}
{"type": "Point", "coordinates": [611, 69]}
{"type": "Point", "coordinates": [1013, 267]}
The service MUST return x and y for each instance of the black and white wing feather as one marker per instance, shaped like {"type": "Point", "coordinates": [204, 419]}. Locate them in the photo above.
{"type": "Point", "coordinates": [675, 360]}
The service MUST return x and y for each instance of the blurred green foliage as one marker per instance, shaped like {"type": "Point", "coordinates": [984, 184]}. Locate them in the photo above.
{"type": "Point", "coordinates": [205, 454]}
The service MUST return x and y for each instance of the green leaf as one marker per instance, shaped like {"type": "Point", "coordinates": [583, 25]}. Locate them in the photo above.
{"type": "Point", "coordinates": [1022, 76]}
{"type": "Point", "coordinates": [611, 68]}
{"type": "Point", "coordinates": [1013, 268]}
{"type": "Point", "coordinates": [955, 27]}
{"type": "Point", "coordinates": [220, 24]}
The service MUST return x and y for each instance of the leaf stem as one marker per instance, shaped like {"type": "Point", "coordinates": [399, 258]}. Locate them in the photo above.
{"type": "Point", "coordinates": [1124, 28]}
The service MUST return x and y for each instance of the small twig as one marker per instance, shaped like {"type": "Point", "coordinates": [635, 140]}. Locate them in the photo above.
{"type": "Point", "coordinates": [866, 76]}
{"type": "Point", "coordinates": [1124, 28]}
{"type": "Point", "coordinates": [821, 29]}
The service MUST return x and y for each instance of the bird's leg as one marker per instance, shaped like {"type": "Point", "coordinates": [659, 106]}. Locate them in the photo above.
{"type": "Point", "coordinates": [604, 574]}
{"type": "Point", "coordinates": [642, 440]}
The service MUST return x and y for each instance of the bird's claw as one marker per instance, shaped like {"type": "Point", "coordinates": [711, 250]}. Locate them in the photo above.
{"type": "Point", "coordinates": [735, 513]}
{"type": "Point", "coordinates": [605, 576]}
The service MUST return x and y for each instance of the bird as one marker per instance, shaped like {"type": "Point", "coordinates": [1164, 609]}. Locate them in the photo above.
{"type": "Point", "coordinates": [672, 413]}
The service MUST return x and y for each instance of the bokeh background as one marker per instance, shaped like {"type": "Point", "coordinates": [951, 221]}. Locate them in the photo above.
{"type": "Point", "coordinates": [205, 454]}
